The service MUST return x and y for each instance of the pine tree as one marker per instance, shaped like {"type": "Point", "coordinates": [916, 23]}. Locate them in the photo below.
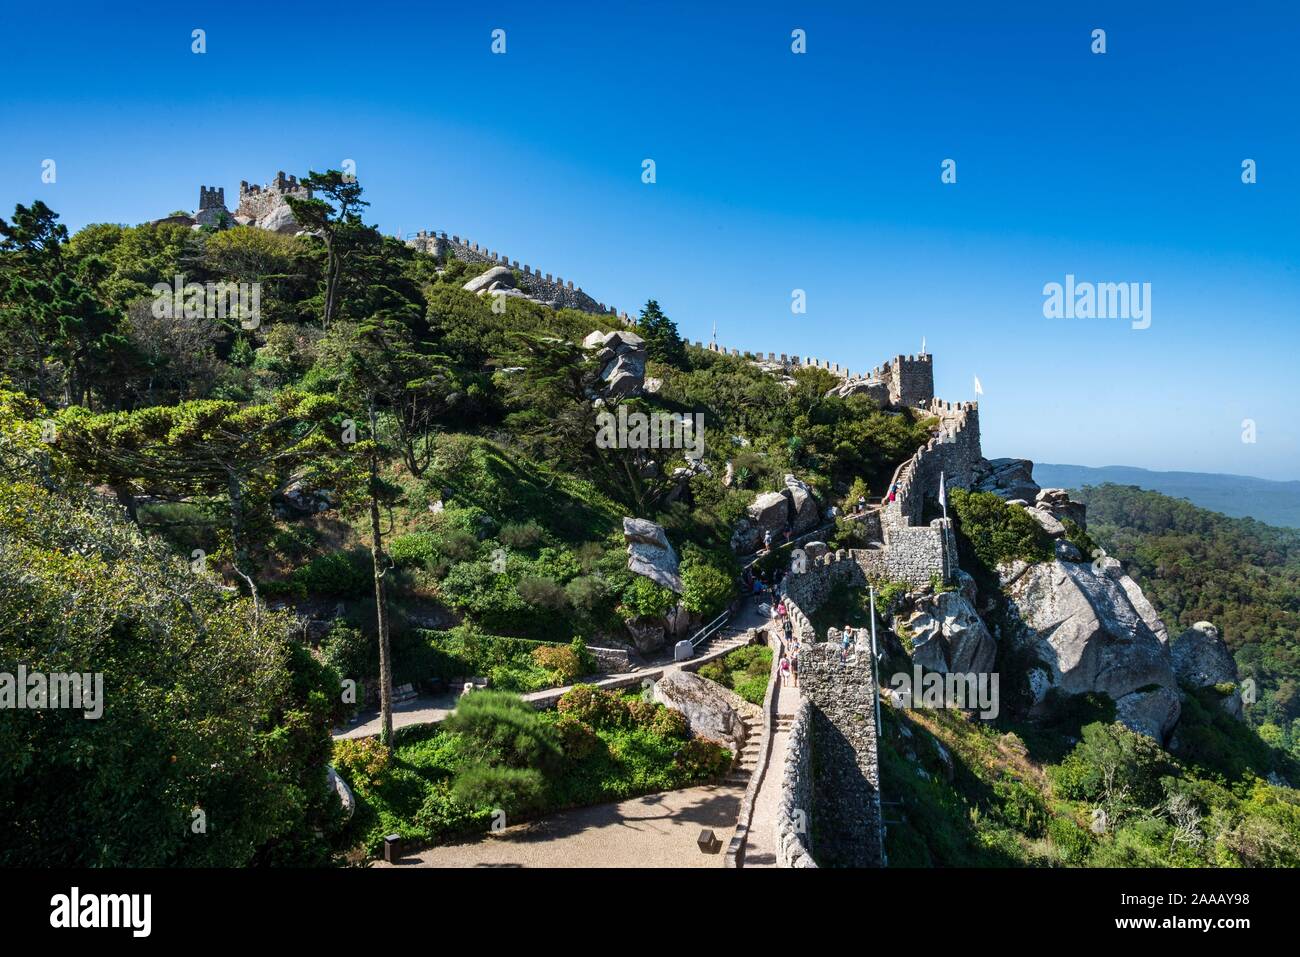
{"type": "Point", "coordinates": [662, 342]}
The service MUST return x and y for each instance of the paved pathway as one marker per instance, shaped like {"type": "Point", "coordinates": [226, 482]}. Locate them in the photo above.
{"type": "Point", "coordinates": [429, 709]}
{"type": "Point", "coordinates": [657, 830]}
{"type": "Point", "coordinates": [760, 840]}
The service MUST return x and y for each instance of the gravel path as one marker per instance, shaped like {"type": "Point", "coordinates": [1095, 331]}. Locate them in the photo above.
{"type": "Point", "coordinates": [657, 830]}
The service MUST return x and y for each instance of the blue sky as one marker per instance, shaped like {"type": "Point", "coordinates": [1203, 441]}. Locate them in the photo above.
{"type": "Point", "coordinates": [775, 172]}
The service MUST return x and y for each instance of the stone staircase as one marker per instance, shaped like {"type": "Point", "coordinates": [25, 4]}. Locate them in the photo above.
{"type": "Point", "coordinates": [724, 640]}
{"type": "Point", "coordinates": [740, 771]}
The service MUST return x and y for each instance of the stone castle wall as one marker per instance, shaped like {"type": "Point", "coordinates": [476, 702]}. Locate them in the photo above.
{"type": "Point", "coordinates": [542, 287]}
{"type": "Point", "coordinates": [841, 697]}
{"type": "Point", "coordinates": [795, 804]}
{"type": "Point", "coordinates": [258, 201]}
{"type": "Point", "coordinates": [904, 380]}
{"type": "Point", "coordinates": [954, 452]}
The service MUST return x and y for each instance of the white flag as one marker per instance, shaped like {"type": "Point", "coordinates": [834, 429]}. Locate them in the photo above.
{"type": "Point", "coordinates": [979, 389]}
{"type": "Point", "coordinates": [923, 345]}
{"type": "Point", "coordinates": [943, 497]}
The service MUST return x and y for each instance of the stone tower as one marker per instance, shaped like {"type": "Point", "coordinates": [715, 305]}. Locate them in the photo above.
{"type": "Point", "coordinates": [212, 197]}
{"type": "Point", "coordinates": [911, 380]}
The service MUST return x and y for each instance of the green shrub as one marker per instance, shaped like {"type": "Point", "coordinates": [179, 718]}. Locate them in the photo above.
{"type": "Point", "coordinates": [714, 670]}
{"type": "Point", "coordinates": [745, 671]}
{"type": "Point", "coordinates": [512, 790]}
{"type": "Point", "coordinates": [702, 758]}
{"type": "Point", "coordinates": [645, 598]}
{"type": "Point", "coordinates": [415, 549]}
{"type": "Point", "coordinates": [523, 536]}
{"type": "Point", "coordinates": [458, 545]}
{"type": "Point", "coordinates": [706, 590]}
{"type": "Point", "coordinates": [502, 727]}
{"type": "Point", "coordinates": [888, 596]}
{"type": "Point", "coordinates": [361, 761]}
{"type": "Point", "coordinates": [543, 593]}
{"type": "Point", "coordinates": [593, 705]}
{"type": "Point", "coordinates": [561, 661]}
{"type": "Point", "coordinates": [1072, 841]}
{"type": "Point", "coordinates": [349, 652]}
{"type": "Point", "coordinates": [753, 688]}
{"type": "Point", "coordinates": [990, 532]}
{"type": "Point", "coordinates": [589, 595]}
{"type": "Point", "coordinates": [578, 740]}
{"type": "Point", "coordinates": [670, 723]}
{"type": "Point", "coordinates": [347, 574]}
{"type": "Point", "coordinates": [641, 713]}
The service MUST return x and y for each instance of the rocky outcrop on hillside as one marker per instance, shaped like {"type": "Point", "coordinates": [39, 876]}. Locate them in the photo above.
{"type": "Point", "coordinates": [794, 509]}
{"type": "Point", "coordinates": [1007, 478]}
{"type": "Point", "coordinates": [871, 388]}
{"type": "Point", "coordinates": [622, 356]}
{"type": "Point", "coordinates": [1202, 660]}
{"type": "Point", "coordinates": [498, 277]}
{"type": "Point", "coordinates": [948, 635]}
{"type": "Point", "coordinates": [708, 707]}
{"type": "Point", "coordinates": [1056, 502]}
{"type": "Point", "coordinates": [649, 553]}
{"type": "Point", "coordinates": [1086, 635]}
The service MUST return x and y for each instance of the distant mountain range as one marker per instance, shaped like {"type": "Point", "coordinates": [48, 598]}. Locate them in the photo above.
{"type": "Point", "coordinates": [1239, 496]}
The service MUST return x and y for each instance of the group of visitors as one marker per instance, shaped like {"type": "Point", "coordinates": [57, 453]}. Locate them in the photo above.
{"type": "Point", "coordinates": [789, 663]}
{"type": "Point", "coordinates": [762, 583]}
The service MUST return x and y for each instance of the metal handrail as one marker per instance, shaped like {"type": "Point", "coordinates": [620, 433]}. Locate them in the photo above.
{"type": "Point", "coordinates": [709, 630]}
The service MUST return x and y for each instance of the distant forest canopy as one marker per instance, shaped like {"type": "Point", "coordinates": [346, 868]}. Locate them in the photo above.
{"type": "Point", "coordinates": [1237, 496]}
{"type": "Point", "coordinates": [1194, 565]}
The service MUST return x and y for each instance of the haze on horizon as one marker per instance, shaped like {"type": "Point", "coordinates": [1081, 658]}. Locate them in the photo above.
{"type": "Point", "coordinates": [775, 172]}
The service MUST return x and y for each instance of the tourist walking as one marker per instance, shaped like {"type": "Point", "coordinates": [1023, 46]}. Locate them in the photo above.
{"type": "Point", "coordinates": [785, 669]}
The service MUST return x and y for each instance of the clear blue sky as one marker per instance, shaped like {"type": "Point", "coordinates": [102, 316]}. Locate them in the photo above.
{"type": "Point", "coordinates": [775, 172]}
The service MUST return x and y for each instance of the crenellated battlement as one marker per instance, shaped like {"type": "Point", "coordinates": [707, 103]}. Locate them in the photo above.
{"type": "Point", "coordinates": [561, 294]}
{"type": "Point", "coordinates": [212, 197]}
{"type": "Point", "coordinates": [784, 360]}
{"type": "Point", "coordinates": [256, 202]}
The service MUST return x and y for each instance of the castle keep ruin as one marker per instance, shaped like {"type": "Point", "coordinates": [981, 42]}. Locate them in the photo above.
{"type": "Point", "coordinates": [265, 206]}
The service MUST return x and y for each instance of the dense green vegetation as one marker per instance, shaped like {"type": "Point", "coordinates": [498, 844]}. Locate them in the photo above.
{"type": "Point", "coordinates": [1084, 792]}
{"type": "Point", "coordinates": [745, 671]}
{"type": "Point", "coordinates": [373, 449]}
{"type": "Point", "coordinates": [213, 731]}
{"type": "Point", "coordinates": [1242, 575]}
{"type": "Point", "coordinates": [497, 754]}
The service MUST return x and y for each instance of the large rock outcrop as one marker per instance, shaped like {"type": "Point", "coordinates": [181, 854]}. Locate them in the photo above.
{"type": "Point", "coordinates": [706, 706]}
{"type": "Point", "coordinates": [873, 389]}
{"type": "Point", "coordinates": [649, 553]}
{"type": "Point", "coordinates": [1087, 636]}
{"type": "Point", "coordinates": [279, 220]}
{"type": "Point", "coordinates": [948, 635]}
{"type": "Point", "coordinates": [793, 509]}
{"type": "Point", "coordinates": [503, 277]}
{"type": "Point", "coordinates": [804, 513]}
{"type": "Point", "coordinates": [1056, 502]}
{"type": "Point", "coordinates": [622, 356]}
{"type": "Point", "coordinates": [1202, 660]}
{"type": "Point", "coordinates": [1007, 478]}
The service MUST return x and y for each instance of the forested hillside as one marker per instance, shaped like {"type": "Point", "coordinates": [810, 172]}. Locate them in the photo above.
{"type": "Point", "coordinates": [372, 473]}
